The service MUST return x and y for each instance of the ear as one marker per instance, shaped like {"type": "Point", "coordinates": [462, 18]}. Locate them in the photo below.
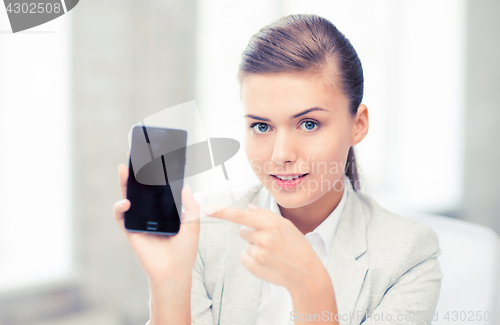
{"type": "Point", "coordinates": [359, 125]}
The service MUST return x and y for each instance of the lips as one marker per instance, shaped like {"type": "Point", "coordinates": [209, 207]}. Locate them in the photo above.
{"type": "Point", "coordinates": [288, 184]}
{"type": "Point", "coordinates": [288, 177]}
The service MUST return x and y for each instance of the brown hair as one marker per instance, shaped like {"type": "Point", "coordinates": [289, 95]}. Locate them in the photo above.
{"type": "Point", "coordinates": [310, 45]}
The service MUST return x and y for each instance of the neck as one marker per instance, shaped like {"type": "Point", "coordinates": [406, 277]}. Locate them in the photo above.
{"type": "Point", "coordinates": [307, 218]}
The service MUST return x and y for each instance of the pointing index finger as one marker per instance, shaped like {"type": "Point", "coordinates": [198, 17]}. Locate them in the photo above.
{"type": "Point", "coordinates": [242, 217]}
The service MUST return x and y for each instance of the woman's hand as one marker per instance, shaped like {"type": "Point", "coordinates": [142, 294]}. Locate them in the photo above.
{"type": "Point", "coordinates": [163, 258]}
{"type": "Point", "coordinates": [277, 251]}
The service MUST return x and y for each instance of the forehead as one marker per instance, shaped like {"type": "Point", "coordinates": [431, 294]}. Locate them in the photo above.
{"type": "Point", "coordinates": [268, 93]}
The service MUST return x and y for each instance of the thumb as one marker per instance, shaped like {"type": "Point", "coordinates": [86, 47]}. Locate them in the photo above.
{"type": "Point", "coordinates": [191, 209]}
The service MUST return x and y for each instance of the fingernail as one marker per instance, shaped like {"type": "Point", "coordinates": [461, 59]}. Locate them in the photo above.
{"type": "Point", "coordinates": [188, 189]}
{"type": "Point", "coordinates": [252, 206]}
{"type": "Point", "coordinates": [208, 211]}
{"type": "Point", "coordinates": [122, 202]}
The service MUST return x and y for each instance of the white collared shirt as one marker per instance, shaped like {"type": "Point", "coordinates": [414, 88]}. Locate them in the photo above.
{"type": "Point", "coordinates": [276, 306]}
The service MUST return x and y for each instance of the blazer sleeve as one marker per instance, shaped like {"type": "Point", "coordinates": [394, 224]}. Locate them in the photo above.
{"type": "Point", "coordinates": [412, 297]}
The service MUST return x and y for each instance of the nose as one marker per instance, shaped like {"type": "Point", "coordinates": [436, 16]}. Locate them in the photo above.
{"type": "Point", "coordinates": [284, 150]}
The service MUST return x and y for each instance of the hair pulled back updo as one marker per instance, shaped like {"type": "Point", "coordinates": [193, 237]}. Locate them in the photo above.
{"type": "Point", "coordinates": [310, 45]}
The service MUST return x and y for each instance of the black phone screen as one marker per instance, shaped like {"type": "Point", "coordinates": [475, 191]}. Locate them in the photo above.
{"type": "Point", "coordinates": [156, 172]}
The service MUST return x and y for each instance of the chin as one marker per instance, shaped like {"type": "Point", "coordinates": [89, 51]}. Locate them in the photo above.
{"type": "Point", "coordinates": [292, 199]}
{"type": "Point", "coordinates": [293, 205]}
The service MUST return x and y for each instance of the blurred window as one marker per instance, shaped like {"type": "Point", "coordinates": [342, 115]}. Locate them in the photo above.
{"type": "Point", "coordinates": [35, 154]}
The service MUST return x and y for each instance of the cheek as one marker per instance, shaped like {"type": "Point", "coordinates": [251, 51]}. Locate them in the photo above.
{"type": "Point", "coordinates": [254, 156]}
{"type": "Point", "coordinates": [325, 148]}
{"type": "Point", "coordinates": [326, 158]}
{"type": "Point", "coordinates": [249, 148]}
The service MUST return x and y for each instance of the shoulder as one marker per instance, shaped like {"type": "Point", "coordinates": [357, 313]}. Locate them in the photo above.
{"type": "Point", "coordinates": [395, 240]}
{"type": "Point", "coordinates": [388, 227]}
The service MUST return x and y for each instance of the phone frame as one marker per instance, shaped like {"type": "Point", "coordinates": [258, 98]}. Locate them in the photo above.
{"type": "Point", "coordinates": [150, 231]}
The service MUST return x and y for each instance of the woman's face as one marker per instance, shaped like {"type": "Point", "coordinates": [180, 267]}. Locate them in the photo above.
{"type": "Point", "coordinates": [296, 125]}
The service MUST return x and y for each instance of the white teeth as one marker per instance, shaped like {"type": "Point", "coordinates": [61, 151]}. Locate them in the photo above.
{"type": "Point", "coordinates": [288, 178]}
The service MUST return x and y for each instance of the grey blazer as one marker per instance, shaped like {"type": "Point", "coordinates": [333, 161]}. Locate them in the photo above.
{"type": "Point", "coordinates": [383, 267]}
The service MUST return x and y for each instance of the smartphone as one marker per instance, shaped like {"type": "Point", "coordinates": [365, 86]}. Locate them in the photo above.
{"type": "Point", "coordinates": [155, 181]}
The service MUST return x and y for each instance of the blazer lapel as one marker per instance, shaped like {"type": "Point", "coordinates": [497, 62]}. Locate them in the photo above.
{"type": "Point", "coordinates": [349, 243]}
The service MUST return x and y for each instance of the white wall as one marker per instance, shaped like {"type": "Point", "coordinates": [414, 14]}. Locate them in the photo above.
{"type": "Point", "coordinates": [481, 202]}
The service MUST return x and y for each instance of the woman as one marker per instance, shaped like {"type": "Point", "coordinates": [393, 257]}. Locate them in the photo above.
{"type": "Point", "coordinates": [303, 245]}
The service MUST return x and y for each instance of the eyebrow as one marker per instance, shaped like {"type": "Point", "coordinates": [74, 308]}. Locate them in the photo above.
{"type": "Point", "coordinates": [295, 116]}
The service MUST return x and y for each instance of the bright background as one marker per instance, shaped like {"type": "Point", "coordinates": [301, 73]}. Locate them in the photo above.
{"type": "Point", "coordinates": [71, 89]}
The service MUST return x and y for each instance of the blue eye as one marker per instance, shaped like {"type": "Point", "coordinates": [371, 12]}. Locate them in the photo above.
{"type": "Point", "coordinates": [261, 127]}
{"type": "Point", "coordinates": [309, 125]}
